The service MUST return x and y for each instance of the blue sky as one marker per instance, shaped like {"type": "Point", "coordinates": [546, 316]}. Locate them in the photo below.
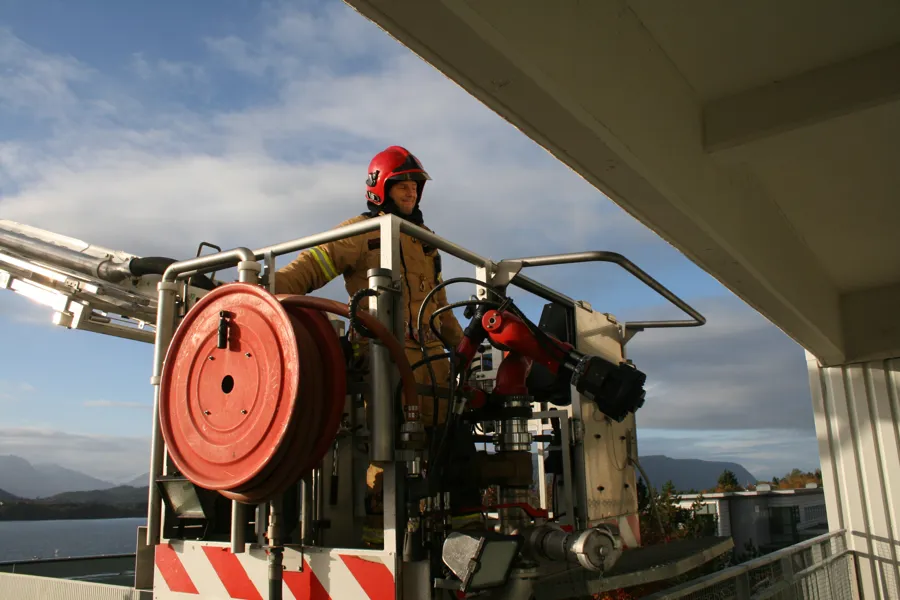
{"type": "Point", "coordinates": [149, 127]}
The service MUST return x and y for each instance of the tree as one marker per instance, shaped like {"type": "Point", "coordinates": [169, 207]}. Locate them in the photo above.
{"type": "Point", "coordinates": [798, 479]}
{"type": "Point", "coordinates": [643, 495]}
{"type": "Point", "coordinates": [728, 482]}
{"type": "Point", "coordinates": [663, 520]}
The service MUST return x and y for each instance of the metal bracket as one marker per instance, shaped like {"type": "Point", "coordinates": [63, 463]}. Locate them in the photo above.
{"type": "Point", "coordinates": [504, 272]}
{"type": "Point", "coordinates": [577, 430]}
{"type": "Point", "coordinates": [212, 275]}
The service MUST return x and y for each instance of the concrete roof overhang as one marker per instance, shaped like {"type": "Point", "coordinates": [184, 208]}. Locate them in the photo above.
{"type": "Point", "coordinates": [759, 138]}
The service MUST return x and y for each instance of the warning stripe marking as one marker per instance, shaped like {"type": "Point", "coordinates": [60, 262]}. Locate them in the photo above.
{"type": "Point", "coordinates": [375, 578]}
{"type": "Point", "coordinates": [231, 573]}
{"type": "Point", "coordinates": [214, 571]}
{"type": "Point", "coordinates": [634, 521]}
{"type": "Point", "coordinates": [173, 571]}
{"type": "Point", "coordinates": [305, 585]}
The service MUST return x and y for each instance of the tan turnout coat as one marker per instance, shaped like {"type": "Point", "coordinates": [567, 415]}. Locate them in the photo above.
{"type": "Point", "coordinates": [352, 258]}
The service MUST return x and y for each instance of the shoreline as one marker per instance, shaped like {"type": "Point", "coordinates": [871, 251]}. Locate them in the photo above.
{"type": "Point", "coordinates": [29, 511]}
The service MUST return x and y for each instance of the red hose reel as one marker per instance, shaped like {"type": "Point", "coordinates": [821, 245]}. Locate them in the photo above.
{"type": "Point", "coordinates": [252, 392]}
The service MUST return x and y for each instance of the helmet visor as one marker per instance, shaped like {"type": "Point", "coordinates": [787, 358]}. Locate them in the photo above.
{"type": "Point", "coordinates": [410, 170]}
{"type": "Point", "coordinates": [410, 176]}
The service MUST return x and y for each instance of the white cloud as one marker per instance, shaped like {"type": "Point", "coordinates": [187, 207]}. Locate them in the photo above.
{"type": "Point", "coordinates": [13, 391]}
{"type": "Point", "coordinates": [37, 84]}
{"type": "Point", "coordinates": [167, 71]}
{"type": "Point", "coordinates": [295, 42]}
{"type": "Point", "coordinates": [735, 372]}
{"type": "Point", "coordinates": [171, 177]}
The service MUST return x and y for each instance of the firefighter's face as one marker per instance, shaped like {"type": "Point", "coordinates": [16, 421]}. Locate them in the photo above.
{"type": "Point", "coordinates": [403, 193]}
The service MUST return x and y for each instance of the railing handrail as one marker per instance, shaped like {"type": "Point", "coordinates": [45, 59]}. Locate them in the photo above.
{"type": "Point", "coordinates": [60, 559]}
{"type": "Point", "coordinates": [750, 565]}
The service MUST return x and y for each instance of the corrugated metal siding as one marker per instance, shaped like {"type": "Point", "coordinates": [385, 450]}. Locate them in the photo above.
{"type": "Point", "coordinates": [856, 411]}
{"type": "Point", "coordinates": [749, 521]}
{"type": "Point", "coordinates": [30, 587]}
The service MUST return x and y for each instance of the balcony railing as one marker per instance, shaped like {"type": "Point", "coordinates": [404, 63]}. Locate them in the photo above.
{"type": "Point", "coordinates": [818, 569]}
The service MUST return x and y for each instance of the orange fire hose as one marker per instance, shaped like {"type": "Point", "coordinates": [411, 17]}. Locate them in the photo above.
{"type": "Point", "coordinates": [375, 326]}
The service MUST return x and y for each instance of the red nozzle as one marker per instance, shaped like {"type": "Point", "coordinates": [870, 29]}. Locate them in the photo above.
{"type": "Point", "coordinates": [509, 330]}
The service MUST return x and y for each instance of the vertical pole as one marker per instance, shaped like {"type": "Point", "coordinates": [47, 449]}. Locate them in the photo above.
{"type": "Point", "coordinates": [382, 398]}
{"type": "Point", "coordinates": [306, 510]}
{"type": "Point", "coordinates": [238, 518]}
{"type": "Point", "coordinates": [165, 329]}
{"type": "Point", "coordinates": [389, 310]}
{"type": "Point", "coordinates": [276, 550]}
{"type": "Point", "coordinates": [261, 511]}
{"type": "Point", "coordinates": [542, 475]}
{"type": "Point", "coordinates": [742, 586]}
{"type": "Point", "coordinates": [248, 272]}
{"type": "Point", "coordinates": [568, 484]}
{"type": "Point", "coordinates": [270, 270]}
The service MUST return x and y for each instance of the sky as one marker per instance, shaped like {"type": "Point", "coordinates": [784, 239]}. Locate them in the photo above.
{"type": "Point", "coordinates": [150, 127]}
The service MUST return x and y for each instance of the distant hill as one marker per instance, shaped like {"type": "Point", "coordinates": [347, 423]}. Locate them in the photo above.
{"type": "Point", "coordinates": [21, 478]}
{"type": "Point", "coordinates": [117, 496]}
{"type": "Point", "coordinates": [114, 503]}
{"type": "Point", "coordinates": [139, 481]}
{"type": "Point", "coordinates": [690, 473]}
{"type": "Point", "coordinates": [7, 497]}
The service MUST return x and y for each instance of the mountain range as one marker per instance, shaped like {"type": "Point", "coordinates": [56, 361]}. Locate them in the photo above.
{"type": "Point", "coordinates": [19, 478]}
{"type": "Point", "coordinates": [691, 473]}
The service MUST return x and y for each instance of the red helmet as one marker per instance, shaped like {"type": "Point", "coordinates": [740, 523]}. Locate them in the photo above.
{"type": "Point", "coordinates": [393, 164]}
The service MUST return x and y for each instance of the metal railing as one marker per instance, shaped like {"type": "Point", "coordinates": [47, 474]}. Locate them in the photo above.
{"type": "Point", "coordinates": [822, 568]}
{"type": "Point", "coordinates": [117, 569]}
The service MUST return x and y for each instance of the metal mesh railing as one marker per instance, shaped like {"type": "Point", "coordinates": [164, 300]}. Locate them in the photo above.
{"type": "Point", "coordinates": [818, 569]}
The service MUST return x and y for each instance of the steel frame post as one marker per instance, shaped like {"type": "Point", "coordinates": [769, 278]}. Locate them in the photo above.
{"type": "Point", "coordinates": [388, 310]}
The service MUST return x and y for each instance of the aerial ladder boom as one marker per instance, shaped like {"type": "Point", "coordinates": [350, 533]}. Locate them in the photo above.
{"type": "Point", "coordinates": [88, 287]}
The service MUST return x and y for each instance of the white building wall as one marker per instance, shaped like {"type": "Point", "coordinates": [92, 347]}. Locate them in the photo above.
{"type": "Point", "coordinates": [856, 411]}
{"type": "Point", "coordinates": [724, 510]}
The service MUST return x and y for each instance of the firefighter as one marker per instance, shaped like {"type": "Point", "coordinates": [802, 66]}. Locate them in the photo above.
{"type": "Point", "coordinates": [395, 182]}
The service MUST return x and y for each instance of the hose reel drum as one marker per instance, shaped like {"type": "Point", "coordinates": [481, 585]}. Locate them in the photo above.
{"type": "Point", "coordinates": [252, 391]}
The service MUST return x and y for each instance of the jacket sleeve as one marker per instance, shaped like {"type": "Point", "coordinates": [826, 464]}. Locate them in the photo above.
{"type": "Point", "coordinates": [317, 266]}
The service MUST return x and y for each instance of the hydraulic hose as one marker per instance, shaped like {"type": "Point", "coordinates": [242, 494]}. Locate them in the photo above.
{"type": "Point", "coordinates": [355, 325]}
{"type": "Point", "coordinates": [157, 265]}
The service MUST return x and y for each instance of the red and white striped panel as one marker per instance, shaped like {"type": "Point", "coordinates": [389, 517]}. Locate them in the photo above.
{"type": "Point", "coordinates": [191, 570]}
{"type": "Point", "coordinates": [630, 530]}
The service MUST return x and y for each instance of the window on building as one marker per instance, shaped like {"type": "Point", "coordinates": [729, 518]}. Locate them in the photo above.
{"type": "Point", "coordinates": [783, 522]}
{"type": "Point", "coordinates": [814, 514]}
